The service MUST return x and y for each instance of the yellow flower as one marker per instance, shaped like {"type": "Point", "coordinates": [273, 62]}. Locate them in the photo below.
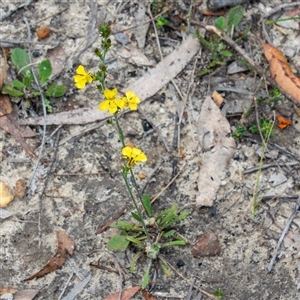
{"type": "Point", "coordinates": [132, 100]}
{"type": "Point", "coordinates": [133, 155]}
{"type": "Point", "coordinates": [82, 77]}
{"type": "Point", "coordinates": [111, 103]}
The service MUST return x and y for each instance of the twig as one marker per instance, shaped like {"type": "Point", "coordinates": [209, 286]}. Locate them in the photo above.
{"type": "Point", "coordinates": [166, 187]}
{"type": "Point", "coordinates": [37, 22]}
{"type": "Point", "coordinates": [66, 285]}
{"type": "Point", "coordinates": [287, 197]}
{"type": "Point", "coordinates": [141, 111]}
{"type": "Point", "coordinates": [185, 279]}
{"type": "Point", "coordinates": [279, 7]}
{"type": "Point", "coordinates": [158, 165]}
{"type": "Point", "coordinates": [7, 42]}
{"type": "Point", "coordinates": [116, 217]}
{"type": "Point", "coordinates": [266, 166]}
{"type": "Point", "coordinates": [15, 9]}
{"type": "Point", "coordinates": [286, 229]}
{"type": "Point", "coordinates": [258, 69]}
{"type": "Point", "coordinates": [43, 136]}
{"type": "Point", "coordinates": [103, 268]}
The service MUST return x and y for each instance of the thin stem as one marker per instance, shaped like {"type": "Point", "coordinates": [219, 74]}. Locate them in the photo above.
{"type": "Point", "coordinates": [120, 132]}
{"type": "Point", "coordinates": [124, 174]}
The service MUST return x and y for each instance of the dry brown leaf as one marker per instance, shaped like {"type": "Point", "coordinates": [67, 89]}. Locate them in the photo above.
{"type": "Point", "coordinates": [148, 296]}
{"type": "Point", "coordinates": [145, 87]}
{"type": "Point", "coordinates": [6, 196]}
{"type": "Point", "coordinates": [5, 105]}
{"type": "Point", "coordinates": [25, 294]}
{"type": "Point", "coordinates": [57, 57]}
{"type": "Point", "coordinates": [218, 98]}
{"type": "Point", "coordinates": [20, 189]}
{"type": "Point", "coordinates": [217, 147]}
{"type": "Point", "coordinates": [4, 68]}
{"type": "Point", "coordinates": [281, 72]}
{"type": "Point", "coordinates": [126, 294]}
{"type": "Point", "coordinates": [65, 245]}
{"type": "Point", "coordinates": [283, 122]}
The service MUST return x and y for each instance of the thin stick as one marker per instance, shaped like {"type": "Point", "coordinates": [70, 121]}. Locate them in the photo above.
{"type": "Point", "coordinates": [141, 111]}
{"type": "Point", "coordinates": [27, 3]}
{"type": "Point", "coordinates": [163, 190]}
{"type": "Point", "coordinates": [66, 285]}
{"type": "Point", "coordinates": [258, 69]}
{"type": "Point", "coordinates": [278, 8]}
{"type": "Point", "coordinates": [286, 229]}
{"type": "Point", "coordinates": [158, 165]}
{"type": "Point", "coordinates": [185, 279]}
{"type": "Point", "coordinates": [114, 218]}
{"type": "Point", "coordinates": [266, 166]}
{"type": "Point", "coordinates": [27, 42]}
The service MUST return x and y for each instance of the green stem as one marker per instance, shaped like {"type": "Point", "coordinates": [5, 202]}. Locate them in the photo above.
{"type": "Point", "coordinates": [124, 174]}
{"type": "Point", "coordinates": [119, 129]}
{"type": "Point", "coordinates": [281, 20]}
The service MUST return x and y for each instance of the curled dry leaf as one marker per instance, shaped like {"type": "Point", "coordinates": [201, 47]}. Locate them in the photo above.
{"type": "Point", "coordinates": [218, 98]}
{"type": "Point", "coordinates": [126, 294]}
{"type": "Point", "coordinates": [283, 122]}
{"type": "Point", "coordinates": [43, 32]}
{"type": "Point", "coordinates": [65, 245]}
{"type": "Point", "coordinates": [6, 195]}
{"type": "Point", "coordinates": [281, 72]}
{"type": "Point", "coordinates": [5, 105]}
{"type": "Point", "coordinates": [20, 189]}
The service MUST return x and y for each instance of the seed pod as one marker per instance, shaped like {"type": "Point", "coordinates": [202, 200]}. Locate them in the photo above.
{"type": "Point", "coordinates": [43, 32]}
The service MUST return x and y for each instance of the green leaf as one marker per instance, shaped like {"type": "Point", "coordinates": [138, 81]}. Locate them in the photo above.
{"type": "Point", "coordinates": [204, 42]}
{"type": "Point", "coordinates": [145, 280]}
{"type": "Point", "coordinates": [136, 217]}
{"type": "Point", "coordinates": [163, 265]}
{"type": "Point", "coordinates": [135, 241]}
{"type": "Point", "coordinates": [11, 91]}
{"type": "Point", "coordinates": [122, 225]}
{"type": "Point", "coordinates": [134, 260]}
{"type": "Point", "coordinates": [118, 242]}
{"type": "Point", "coordinates": [226, 53]}
{"type": "Point", "coordinates": [20, 59]}
{"type": "Point", "coordinates": [44, 71]}
{"type": "Point", "coordinates": [27, 80]}
{"type": "Point", "coordinates": [55, 90]}
{"type": "Point", "coordinates": [17, 84]}
{"type": "Point", "coordinates": [48, 106]}
{"type": "Point", "coordinates": [235, 16]}
{"type": "Point", "coordinates": [169, 233]}
{"type": "Point", "coordinates": [147, 204]}
{"type": "Point", "coordinates": [173, 243]}
{"type": "Point", "coordinates": [220, 23]}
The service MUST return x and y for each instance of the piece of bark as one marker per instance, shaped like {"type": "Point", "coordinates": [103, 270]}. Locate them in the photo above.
{"type": "Point", "coordinates": [217, 149]}
{"type": "Point", "coordinates": [144, 87]}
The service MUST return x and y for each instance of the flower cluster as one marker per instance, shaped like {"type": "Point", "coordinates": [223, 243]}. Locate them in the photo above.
{"type": "Point", "coordinates": [82, 77]}
{"type": "Point", "coordinates": [114, 104]}
{"type": "Point", "coordinates": [133, 156]}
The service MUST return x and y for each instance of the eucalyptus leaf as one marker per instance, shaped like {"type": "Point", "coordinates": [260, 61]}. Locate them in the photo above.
{"type": "Point", "coordinates": [118, 242]}
{"type": "Point", "coordinates": [44, 71]}
{"type": "Point", "coordinates": [147, 204]}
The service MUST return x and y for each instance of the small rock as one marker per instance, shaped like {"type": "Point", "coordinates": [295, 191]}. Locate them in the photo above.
{"type": "Point", "coordinates": [6, 195]}
{"type": "Point", "coordinates": [207, 245]}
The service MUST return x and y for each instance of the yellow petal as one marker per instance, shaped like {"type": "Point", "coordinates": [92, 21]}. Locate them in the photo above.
{"type": "Point", "coordinates": [110, 94]}
{"type": "Point", "coordinates": [103, 105]}
{"type": "Point", "coordinates": [80, 70]}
